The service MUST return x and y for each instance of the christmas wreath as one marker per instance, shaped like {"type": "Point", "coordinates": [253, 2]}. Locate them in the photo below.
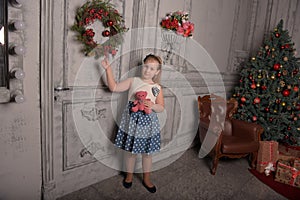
{"type": "Point", "coordinates": [112, 22]}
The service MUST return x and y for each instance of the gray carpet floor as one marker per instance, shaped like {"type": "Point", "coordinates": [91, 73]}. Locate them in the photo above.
{"type": "Point", "coordinates": [187, 178]}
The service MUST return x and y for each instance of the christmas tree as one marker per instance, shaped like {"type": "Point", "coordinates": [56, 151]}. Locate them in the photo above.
{"type": "Point", "coordinates": [268, 93]}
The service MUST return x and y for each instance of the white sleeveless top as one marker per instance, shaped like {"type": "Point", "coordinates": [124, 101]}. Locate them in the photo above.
{"type": "Point", "coordinates": [139, 85]}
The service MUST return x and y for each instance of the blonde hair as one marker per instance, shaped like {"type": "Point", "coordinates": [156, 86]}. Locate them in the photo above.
{"type": "Point", "coordinates": [156, 79]}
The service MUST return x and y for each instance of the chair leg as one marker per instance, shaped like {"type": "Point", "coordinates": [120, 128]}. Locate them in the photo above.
{"type": "Point", "coordinates": [215, 165]}
{"type": "Point", "coordinates": [254, 159]}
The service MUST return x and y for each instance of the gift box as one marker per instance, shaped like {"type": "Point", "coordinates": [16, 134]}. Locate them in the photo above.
{"type": "Point", "coordinates": [288, 172]}
{"type": "Point", "coordinates": [267, 153]}
{"type": "Point", "coordinates": [289, 150]}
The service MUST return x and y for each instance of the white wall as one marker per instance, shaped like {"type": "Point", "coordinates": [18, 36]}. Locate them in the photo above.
{"type": "Point", "coordinates": [20, 150]}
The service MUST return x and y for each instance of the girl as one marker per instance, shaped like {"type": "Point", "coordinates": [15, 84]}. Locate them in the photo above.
{"type": "Point", "coordinates": [139, 133]}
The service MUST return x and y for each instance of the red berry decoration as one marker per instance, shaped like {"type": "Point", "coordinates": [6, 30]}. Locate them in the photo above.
{"type": "Point", "coordinates": [276, 66]}
{"type": "Point", "coordinates": [282, 47]}
{"type": "Point", "coordinates": [267, 109]}
{"type": "Point", "coordinates": [105, 33]}
{"type": "Point", "coordinates": [277, 35]}
{"type": "Point", "coordinates": [286, 93]}
{"type": "Point", "coordinates": [256, 100]}
{"type": "Point", "coordinates": [289, 128]}
{"type": "Point", "coordinates": [254, 118]}
{"type": "Point", "coordinates": [243, 99]}
{"type": "Point", "coordinates": [109, 23]}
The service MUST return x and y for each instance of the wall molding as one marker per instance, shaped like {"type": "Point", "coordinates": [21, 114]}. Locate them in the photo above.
{"type": "Point", "coordinates": [46, 60]}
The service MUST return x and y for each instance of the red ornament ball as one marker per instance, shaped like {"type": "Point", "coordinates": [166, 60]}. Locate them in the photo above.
{"type": "Point", "coordinates": [263, 87]}
{"type": "Point", "coordinates": [105, 33]}
{"type": "Point", "coordinates": [279, 75]}
{"type": "Point", "coordinates": [287, 46]}
{"type": "Point", "coordinates": [270, 119]}
{"type": "Point", "coordinates": [289, 128]}
{"type": "Point", "coordinates": [277, 35]}
{"type": "Point", "coordinates": [286, 137]}
{"type": "Point", "coordinates": [243, 99]}
{"type": "Point", "coordinates": [296, 88]}
{"type": "Point", "coordinates": [253, 86]}
{"type": "Point", "coordinates": [286, 93]}
{"type": "Point", "coordinates": [254, 118]}
{"type": "Point", "coordinates": [298, 106]}
{"type": "Point", "coordinates": [267, 109]}
{"type": "Point", "coordinates": [276, 66]}
{"type": "Point", "coordinates": [256, 100]}
{"type": "Point", "coordinates": [282, 47]}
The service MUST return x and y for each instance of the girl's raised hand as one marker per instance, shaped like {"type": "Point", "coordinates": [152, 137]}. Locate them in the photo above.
{"type": "Point", "coordinates": [105, 64]}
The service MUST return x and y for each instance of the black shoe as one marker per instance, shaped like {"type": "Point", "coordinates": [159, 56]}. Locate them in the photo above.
{"type": "Point", "coordinates": [126, 184]}
{"type": "Point", "coordinates": [150, 189]}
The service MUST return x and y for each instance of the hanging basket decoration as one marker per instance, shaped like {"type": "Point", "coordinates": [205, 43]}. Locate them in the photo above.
{"type": "Point", "coordinates": [112, 22]}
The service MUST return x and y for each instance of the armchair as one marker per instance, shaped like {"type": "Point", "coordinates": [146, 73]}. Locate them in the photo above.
{"type": "Point", "coordinates": [234, 138]}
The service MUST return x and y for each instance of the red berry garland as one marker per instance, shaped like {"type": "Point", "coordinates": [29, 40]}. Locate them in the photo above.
{"type": "Point", "coordinates": [112, 21]}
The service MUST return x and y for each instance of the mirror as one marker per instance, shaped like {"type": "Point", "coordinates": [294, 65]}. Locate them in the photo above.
{"type": "Point", "coordinates": [3, 44]}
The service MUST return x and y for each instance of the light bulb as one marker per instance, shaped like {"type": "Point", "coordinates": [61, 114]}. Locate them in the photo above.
{"type": "Point", "coordinates": [17, 96]}
{"type": "Point", "coordinates": [19, 25]}
{"type": "Point", "coordinates": [17, 3]}
{"type": "Point", "coordinates": [17, 73]}
{"type": "Point", "coordinates": [18, 49]}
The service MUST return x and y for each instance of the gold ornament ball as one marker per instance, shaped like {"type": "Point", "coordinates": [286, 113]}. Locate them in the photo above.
{"type": "Point", "coordinates": [259, 76]}
{"type": "Point", "coordinates": [253, 58]}
{"type": "Point", "coordinates": [298, 129]}
{"type": "Point", "coordinates": [278, 89]}
{"type": "Point", "coordinates": [285, 58]}
{"type": "Point", "coordinates": [289, 87]}
{"type": "Point", "coordinates": [267, 47]}
{"type": "Point", "coordinates": [275, 29]}
{"type": "Point", "coordinates": [234, 95]}
{"type": "Point", "coordinates": [273, 49]}
{"type": "Point", "coordinates": [257, 85]}
{"type": "Point", "coordinates": [273, 77]}
{"type": "Point", "coordinates": [283, 104]}
{"type": "Point", "coordinates": [275, 111]}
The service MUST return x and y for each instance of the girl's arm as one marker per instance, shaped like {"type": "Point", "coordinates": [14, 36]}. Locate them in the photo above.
{"type": "Point", "coordinates": [159, 104]}
{"type": "Point", "coordinates": [112, 85]}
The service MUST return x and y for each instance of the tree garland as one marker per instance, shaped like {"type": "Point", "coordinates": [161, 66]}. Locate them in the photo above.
{"type": "Point", "coordinates": [112, 21]}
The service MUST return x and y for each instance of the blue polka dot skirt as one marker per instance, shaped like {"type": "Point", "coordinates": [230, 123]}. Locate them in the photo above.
{"type": "Point", "coordinates": [138, 132]}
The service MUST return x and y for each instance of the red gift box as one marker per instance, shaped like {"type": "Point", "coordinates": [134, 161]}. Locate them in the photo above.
{"type": "Point", "coordinates": [267, 153]}
{"type": "Point", "coordinates": [288, 172]}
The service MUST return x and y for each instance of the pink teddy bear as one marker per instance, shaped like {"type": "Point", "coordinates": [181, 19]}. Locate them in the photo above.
{"type": "Point", "coordinates": [139, 102]}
